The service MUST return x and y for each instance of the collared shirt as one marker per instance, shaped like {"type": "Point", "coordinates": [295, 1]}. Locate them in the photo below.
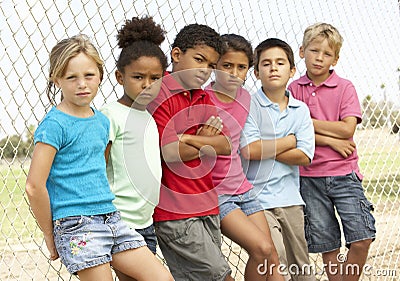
{"type": "Point", "coordinates": [187, 189]}
{"type": "Point", "coordinates": [278, 184]}
{"type": "Point", "coordinates": [332, 100]}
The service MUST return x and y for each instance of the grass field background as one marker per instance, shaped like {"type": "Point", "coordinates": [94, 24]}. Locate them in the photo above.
{"type": "Point", "coordinates": [23, 254]}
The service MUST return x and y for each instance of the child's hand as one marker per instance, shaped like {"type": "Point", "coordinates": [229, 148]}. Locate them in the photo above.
{"type": "Point", "coordinates": [343, 147]}
{"type": "Point", "coordinates": [49, 239]}
{"type": "Point", "coordinates": [212, 127]}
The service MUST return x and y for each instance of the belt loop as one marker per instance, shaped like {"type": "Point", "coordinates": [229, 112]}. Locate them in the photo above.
{"type": "Point", "coordinates": [107, 216]}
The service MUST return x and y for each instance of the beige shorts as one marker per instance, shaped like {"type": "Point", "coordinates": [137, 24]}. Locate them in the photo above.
{"type": "Point", "coordinates": [287, 231]}
{"type": "Point", "coordinates": [192, 248]}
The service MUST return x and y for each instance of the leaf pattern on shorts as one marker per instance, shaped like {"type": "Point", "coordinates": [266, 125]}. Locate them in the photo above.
{"type": "Point", "coordinates": [78, 243]}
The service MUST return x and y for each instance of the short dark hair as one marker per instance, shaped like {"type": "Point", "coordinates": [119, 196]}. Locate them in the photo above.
{"type": "Point", "coordinates": [237, 43]}
{"type": "Point", "coordinates": [195, 34]}
{"type": "Point", "coordinates": [271, 43]}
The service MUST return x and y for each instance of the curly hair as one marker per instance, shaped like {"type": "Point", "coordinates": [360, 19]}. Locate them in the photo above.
{"type": "Point", "coordinates": [140, 37]}
{"type": "Point", "coordinates": [197, 34]}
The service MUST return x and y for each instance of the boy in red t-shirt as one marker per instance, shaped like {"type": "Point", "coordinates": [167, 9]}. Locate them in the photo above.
{"type": "Point", "coordinates": [191, 135]}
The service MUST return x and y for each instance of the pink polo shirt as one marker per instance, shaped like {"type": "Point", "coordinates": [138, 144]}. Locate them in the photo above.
{"type": "Point", "coordinates": [333, 100]}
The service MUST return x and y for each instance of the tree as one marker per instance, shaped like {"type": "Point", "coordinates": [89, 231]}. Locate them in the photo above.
{"type": "Point", "coordinates": [9, 146]}
{"type": "Point", "coordinates": [15, 146]}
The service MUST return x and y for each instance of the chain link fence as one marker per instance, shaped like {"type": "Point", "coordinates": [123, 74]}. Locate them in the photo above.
{"type": "Point", "coordinates": [370, 58]}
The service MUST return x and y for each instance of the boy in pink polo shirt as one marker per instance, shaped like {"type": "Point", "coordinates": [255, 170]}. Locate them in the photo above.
{"type": "Point", "coordinates": [333, 180]}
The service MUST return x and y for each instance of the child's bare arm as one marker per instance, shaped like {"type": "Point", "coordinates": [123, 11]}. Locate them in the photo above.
{"type": "Point", "coordinates": [343, 129]}
{"type": "Point", "coordinates": [343, 146]}
{"type": "Point", "coordinates": [210, 145]}
{"type": "Point", "coordinates": [209, 138]}
{"type": "Point", "coordinates": [107, 151]}
{"type": "Point", "coordinates": [294, 157]}
{"type": "Point", "coordinates": [42, 159]}
{"type": "Point", "coordinates": [265, 149]}
{"type": "Point", "coordinates": [179, 151]}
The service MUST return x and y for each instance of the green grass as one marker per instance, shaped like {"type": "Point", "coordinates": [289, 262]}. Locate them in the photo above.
{"type": "Point", "coordinates": [15, 217]}
{"type": "Point", "coordinates": [383, 188]}
{"type": "Point", "coordinates": [381, 173]}
{"type": "Point", "coordinates": [380, 170]}
{"type": "Point", "coordinates": [379, 164]}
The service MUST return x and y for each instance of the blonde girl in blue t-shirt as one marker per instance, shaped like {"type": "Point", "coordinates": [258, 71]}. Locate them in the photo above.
{"type": "Point", "coordinates": [67, 185]}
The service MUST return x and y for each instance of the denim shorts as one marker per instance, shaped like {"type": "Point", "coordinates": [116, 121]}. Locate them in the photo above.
{"type": "Point", "coordinates": [247, 202]}
{"type": "Point", "coordinates": [88, 241]}
{"type": "Point", "coordinates": [149, 236]}
{"type": "Point", "coordinates": [345, 193]}
{"type": "Point", "coordinates": [192, 248]}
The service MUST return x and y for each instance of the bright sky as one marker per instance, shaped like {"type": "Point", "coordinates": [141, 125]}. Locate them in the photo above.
{"type": "Point", "coordinates": [370, 54]}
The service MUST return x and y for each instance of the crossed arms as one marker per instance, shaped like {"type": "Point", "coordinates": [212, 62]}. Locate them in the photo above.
{"type": "Point", "coordinates": [336, 134]}
{"type": "Point", "coordinates": [282, 149]}
{"type": "Point", "coordinates": [207, 141]}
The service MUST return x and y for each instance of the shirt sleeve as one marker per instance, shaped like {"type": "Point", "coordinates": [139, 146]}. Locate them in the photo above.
{"type": "Point", "coordinates": [113, 126]}
{"type": "Point", "coordinates": [251, 131]}
{"type": "Point", "coordinates": [161, 112]}
{"type": "Point", "coordinates": [49, 132]}
{"type": "Point", "coordinates": [350, 105]}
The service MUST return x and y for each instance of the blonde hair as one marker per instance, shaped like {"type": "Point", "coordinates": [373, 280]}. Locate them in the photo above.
{"type": "Point", "coordinates": [326, 31]}
{"type": "Point", "coordinates": [62, 53]}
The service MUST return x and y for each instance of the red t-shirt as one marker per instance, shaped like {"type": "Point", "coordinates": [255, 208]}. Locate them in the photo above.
{"type": "Point", "coordinates": [186, 187]}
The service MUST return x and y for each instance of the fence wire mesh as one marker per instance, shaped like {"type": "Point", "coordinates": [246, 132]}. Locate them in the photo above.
{"type": "Point", "coordinates": [370, 58]}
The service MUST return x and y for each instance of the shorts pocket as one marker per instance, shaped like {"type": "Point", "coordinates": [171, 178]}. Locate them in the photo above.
{"type": "Point", "coordinates": [369, 220]}
{"type": "Point", "coordinates": [307, 229]}
{"type": "Point", "coordinates": [355, 177]}
{"type": "Point", "coordinates": [173, 230]}
{"type": "Point", "coordinates": [68, 225]}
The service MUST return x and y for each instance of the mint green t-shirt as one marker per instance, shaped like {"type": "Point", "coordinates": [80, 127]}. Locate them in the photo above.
{"type": "Point", "coordinates": [134, 165]}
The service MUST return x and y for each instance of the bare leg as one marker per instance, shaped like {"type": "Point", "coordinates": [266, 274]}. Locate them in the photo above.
{"type": "Point", "coordinates": [356, 258]}
{"type": "Point", "coordinates": [261, 222]}
{"type": "Point", "coordinates": [141, 265]}
{"type": "Point", "coordinates": [252, 233]}
{"type": "Point", "coordinates": [123, 277]}
{"type": "Point", "coordinates": [332, 265]}
{"type": "Point", "coordinates": [101, 273]}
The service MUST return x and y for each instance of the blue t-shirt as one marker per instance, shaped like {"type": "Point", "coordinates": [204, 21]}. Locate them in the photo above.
{"type": "Point", "coordinates": [77, 183]}
{"type": "Point", "coordinates": [277, 183]}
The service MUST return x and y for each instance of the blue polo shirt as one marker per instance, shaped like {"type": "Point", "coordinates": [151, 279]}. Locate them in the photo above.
{"type": "Point", "coordinates": [277, 184]}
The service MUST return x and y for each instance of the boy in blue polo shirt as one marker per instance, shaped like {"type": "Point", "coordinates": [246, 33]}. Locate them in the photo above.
{"type": "Point", "coordinates": [277, 138]}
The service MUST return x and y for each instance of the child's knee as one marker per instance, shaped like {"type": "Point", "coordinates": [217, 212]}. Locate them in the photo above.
{"type": "Point", "coordinates": [263, 250]}
{"type": "Point", "coordinates": [362, 245]}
